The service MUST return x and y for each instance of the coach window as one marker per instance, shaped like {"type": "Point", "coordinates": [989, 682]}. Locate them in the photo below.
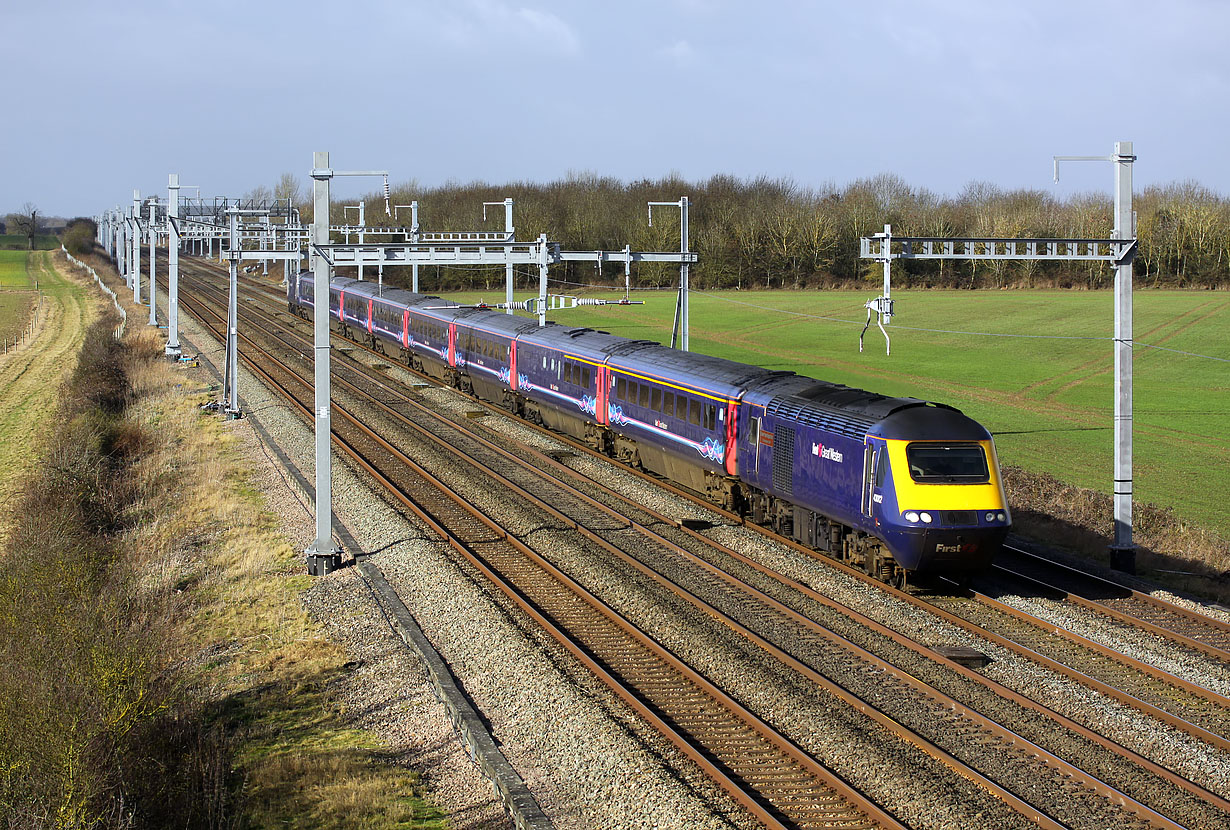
{"type": "Point", "coordinates": [632, 391]}
{"type": "Point", "coordinates": [655, 400]}
{"type": "Point", "coordinates": [621, 388]}
{"type": "Point", "coordinates": [645, 395]}
{"type": "Point", "coordinates": [710, 417]}
{"type": "Point", "coordinates": [585, 376]}
{"type": "Point", "coordinates": [668, 405]}
{"type": "Point", "coordinates": [694, 412]}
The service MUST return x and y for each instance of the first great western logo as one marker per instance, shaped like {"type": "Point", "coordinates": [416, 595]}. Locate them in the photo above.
{"type": "Point", "coordinates": [821, 451]}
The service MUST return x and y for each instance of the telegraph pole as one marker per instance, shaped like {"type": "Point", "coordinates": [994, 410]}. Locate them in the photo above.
{"type": "Point", "coordinates": [136, 247]}
{"type": "Point", "coordinates": [1123, 551]}
{"type": "Point", "coordinates": [508, 266]}
{"type": "Point", "coordinates": [153, 242]}
{"type": "Point", "coordinates": [680, 334]}
{"type": "Point", "coordinates": [173, 349]}
{"type": "Point", "coordinates": [322, 555]}
{"type": "Point", "coordinates": [231, 381]}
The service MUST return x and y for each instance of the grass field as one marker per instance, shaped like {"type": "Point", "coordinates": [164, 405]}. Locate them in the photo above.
{"type": "Point", "coordinates": [20, 243]}
{"type": "Point", "coordinates": [14, 305]}
{"type": "Point", "coordinates": [30, 376]}
{"type": "Point", "coordinates": [13, 269]}
{"type": "Point", "coordinates": [15, 308]}
{"type": "Point", "coordinates": [1049, 402]}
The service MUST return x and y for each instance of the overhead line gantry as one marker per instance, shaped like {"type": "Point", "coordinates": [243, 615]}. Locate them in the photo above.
{"type": "Point", "coordinates": [1119, 251]}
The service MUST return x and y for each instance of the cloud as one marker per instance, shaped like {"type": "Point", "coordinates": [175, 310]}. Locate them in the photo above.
{"type": "Point", "coordinates": [550, 27]}
{"type": "Point", "coordinates": [681, 52]}
{"type": "Point", "coordinates": [488, 23]}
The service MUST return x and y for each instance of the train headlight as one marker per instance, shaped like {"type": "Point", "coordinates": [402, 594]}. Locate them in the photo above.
{"type": "Point", "coordinates": [911, 515]}
{"type": "Point", "coordinates": [926, 517]}
{"type": "Point", "coordinates": [990, 517]}
{"type": "Point", "coordinates": [1002, 517]}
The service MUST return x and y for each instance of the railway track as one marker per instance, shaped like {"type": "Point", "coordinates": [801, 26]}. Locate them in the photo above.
{"type": "Point", "coordinates": [1190, 629]}
{"type": "Point", "coordinates": [778, 783]}
{"type": "Point", "coordinates": [772, 614]}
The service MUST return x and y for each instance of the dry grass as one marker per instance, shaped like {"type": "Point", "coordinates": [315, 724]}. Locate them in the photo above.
{"type": "Point", "coordinates": [256, 657]}
{"type": "Point", "coordinates": [166, 607]}
{"type": "Point", "coordinates": [1170, 551]}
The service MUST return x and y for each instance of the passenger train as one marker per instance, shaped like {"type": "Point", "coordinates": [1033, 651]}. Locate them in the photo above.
{"type": "Point", "coordinates": [894, 486]}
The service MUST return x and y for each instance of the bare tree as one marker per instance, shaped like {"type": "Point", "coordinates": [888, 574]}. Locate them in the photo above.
{"type": "Point", "coordinates": [289, 186]}
{"type": "Point", "coordinates": [24, 223]}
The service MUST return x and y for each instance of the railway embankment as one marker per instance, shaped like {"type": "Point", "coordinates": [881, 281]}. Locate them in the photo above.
{"type": "Point", "coordinates": [156, 665]}
{"type": "Point", "coordinates": [1174, 553]}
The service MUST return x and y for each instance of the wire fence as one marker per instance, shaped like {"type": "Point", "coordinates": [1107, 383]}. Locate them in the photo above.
{"type": "Point", "coordinates": [119, 330]}
{"type": "Point", "coordinates": [11, 343]}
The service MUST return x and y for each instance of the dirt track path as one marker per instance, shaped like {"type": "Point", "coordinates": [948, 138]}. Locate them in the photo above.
{"type": "Point", "coordinates": [31, 375]}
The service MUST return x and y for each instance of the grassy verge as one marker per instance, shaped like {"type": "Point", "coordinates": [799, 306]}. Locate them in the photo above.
{"type": "Point", "coordinates": [156, 666]}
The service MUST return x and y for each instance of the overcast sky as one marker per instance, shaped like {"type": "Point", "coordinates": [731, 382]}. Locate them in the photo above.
{"type": "Point", "coordinates": [102, 98]}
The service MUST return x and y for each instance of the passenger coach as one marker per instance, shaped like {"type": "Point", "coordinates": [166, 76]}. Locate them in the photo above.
{"type": "Point", "coordinates": [891, 485]}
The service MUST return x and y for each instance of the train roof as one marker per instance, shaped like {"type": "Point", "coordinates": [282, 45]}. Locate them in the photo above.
{"type": "Point", "coordinates": [688, 369]}
{"type": "Point", "coordinates": [931, 422]}
{"type": "Point", "coordinates": [856, 413]}
{"type": "Point", "coordinates": [583, 342]}
{"type": "Point", "coordinates": [494, 322]}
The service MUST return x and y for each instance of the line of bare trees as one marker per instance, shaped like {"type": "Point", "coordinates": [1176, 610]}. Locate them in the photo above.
{"type": "Point", "coordinates": [756, 233]}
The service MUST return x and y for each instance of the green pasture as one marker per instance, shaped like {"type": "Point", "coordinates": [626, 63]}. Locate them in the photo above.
{"type": "Point", "coordinates": [14, 305]}
{"type": "Point", "coordinates": [18, 242]}
{"type": "Point", "coordinates": [1035, 367]}
{"type": "Point", "coordinates": [13, 272]}
{"type": "Point", "coordinates": [14, 312]}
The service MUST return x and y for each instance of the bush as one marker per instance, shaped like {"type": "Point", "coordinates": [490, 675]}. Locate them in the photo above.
{"type": "Point", "coordinates": [94, 729]}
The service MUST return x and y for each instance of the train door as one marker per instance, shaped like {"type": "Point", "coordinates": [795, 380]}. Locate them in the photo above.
{"type": "Point", "coordinates": [753, 443]}
{"type": "Point", "coordinates": [602, 395]}
{"type": "Point", "coordinates": [513, 381]}
{"type": "Point", "coordinates": [452, 344]}
{"type": "Point", "coordinates": [732, 424]}
{"type": "Point", "coordinates": [875, 469]}
{"type": "Point", "coordinates": [870, 459]}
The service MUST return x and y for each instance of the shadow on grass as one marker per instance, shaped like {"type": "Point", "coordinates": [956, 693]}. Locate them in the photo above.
{"type": "Point", "coordinates": [1075, 524]}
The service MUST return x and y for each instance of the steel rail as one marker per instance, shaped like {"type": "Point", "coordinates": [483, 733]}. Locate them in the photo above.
{"type": "Point", "coordinates": [1202, 734]}
{"type": "Point", "coordinates": [1148, 669]}
{"type": "Point", "coordinates": [1222, 629]}
{"type": "Point", "coordinates": [952, 705]}
{"type": "Point", "coordinates": [874, 814]}
{"type": "Point", "coordinates": [1004, 734]}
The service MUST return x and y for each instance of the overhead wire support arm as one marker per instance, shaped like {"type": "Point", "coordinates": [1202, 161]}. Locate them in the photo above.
{"type": "Point", "coordinates": [881, 306]}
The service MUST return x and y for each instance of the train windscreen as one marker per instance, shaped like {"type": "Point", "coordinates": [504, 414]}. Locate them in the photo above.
{"type": "Point", "coordinates": [947, 463]}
